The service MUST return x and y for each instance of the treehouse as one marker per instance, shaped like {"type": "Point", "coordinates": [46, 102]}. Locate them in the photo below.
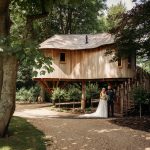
{"type": "Point", "coordinates": [81, 58]}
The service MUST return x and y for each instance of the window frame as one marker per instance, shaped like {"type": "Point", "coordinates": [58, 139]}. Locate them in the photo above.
{"type": "Point", "coordinates": [62, 61]}
{"type": "Point", "coordinates": [119, 60]}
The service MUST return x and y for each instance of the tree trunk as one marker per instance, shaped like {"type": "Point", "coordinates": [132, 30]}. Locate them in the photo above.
{"type": "Point", "coordinates": [8, 71]}
{"type": "Point", "coordinates": [4, 17]}
{"type": "Point", "coordinates": [8, 68]}
{"type": "Point", "coordinates": [42, 93]}
{"type": "Point", "coordinates": [140, 110]}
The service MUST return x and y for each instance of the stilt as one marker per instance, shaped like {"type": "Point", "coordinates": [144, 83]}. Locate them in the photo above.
{"type": "Point", "coordinates": [42, 94]}
{"type": "Point", "coordinates": [83, 99]}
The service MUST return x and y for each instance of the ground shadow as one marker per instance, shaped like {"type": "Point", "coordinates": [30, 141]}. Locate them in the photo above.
{"type": "Point", "coordinates": [22, 136]}
{"type": "Point", "coordinates": [135, 122]}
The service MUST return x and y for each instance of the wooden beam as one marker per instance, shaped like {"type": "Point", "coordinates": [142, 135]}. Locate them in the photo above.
{"type": "Point", "coordinates": [42, 93]}
{"type": "Point", "coordinates": [45, 85]}
{"type": "Point", "coordinates": [83, 99]}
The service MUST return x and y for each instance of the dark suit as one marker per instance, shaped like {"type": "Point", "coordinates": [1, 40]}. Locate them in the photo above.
{"type": "Point", "coordinates": [111, 97]}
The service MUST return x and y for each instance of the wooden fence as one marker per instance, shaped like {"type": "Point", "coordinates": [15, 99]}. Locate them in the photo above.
{"type": "Point", "coordinates": [124, 103]}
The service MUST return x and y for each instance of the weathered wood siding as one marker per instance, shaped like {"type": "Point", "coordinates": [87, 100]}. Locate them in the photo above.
{"type": "Point", "coordinates": [86, 64]}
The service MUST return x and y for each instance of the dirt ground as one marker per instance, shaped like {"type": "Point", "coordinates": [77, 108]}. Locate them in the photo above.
{"type": "Point", "coordinates": [65, 131]}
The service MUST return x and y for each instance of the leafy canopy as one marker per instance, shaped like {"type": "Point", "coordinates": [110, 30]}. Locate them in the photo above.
{"type": "Point", "coordinates": [112, 15]}
{"type": "Point", "coordinates": [132, 35]}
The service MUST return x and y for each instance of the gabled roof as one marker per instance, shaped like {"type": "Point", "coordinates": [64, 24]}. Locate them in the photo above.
{"type": "Point", "coordinates": [77, 41]}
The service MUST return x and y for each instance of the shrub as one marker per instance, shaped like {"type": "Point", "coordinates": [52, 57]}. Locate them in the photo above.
{"type": "Point", "coordinates": [24, 95]}
{"type": "Point", "coordinates": [59, 94]}
{"type": "Point", "coordinates": [74, 94]}
{"type": "Point", "coordinates": [29, 95]}
{"type": "Point", "coordinates": [92, 91]}
{"type": "Point", "coordinates": [140, 96]}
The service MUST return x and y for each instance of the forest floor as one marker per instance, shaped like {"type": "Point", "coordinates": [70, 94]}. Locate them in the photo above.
{"type": "Point", "coordinates": [65, 131]}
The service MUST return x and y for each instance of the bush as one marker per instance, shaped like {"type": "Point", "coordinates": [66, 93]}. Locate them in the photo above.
{"type": "Point", "coordinates": [24, 95]}
{"type": "Point", "coordinates": [92, 91]}
{"type": "Point", "coordinates": [59, 94]}
{"type": "Point", "coordinates": [74, 94]}
{"type": "Point", "coordinates": [140, 96]}
{"type": "Point", "coordinates": [28, 95]}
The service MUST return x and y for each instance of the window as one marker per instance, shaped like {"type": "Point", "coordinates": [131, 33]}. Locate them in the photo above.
{"type": "Point", "coordinates": [119, 62]}
{"type": "Point", "coordinates": [129, 62]}
{"type": "Point", "coordinates": [62, 57]}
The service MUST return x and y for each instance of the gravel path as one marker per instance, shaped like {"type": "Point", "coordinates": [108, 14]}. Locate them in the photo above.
{"type": "Point", "coordinates": [65, 131]}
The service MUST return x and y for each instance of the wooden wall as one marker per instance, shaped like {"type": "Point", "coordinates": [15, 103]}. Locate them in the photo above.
{"type": "Point", "coordinates": [86, 64]}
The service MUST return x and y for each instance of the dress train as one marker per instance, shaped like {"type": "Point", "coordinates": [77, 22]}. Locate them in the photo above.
{"type": "Point", "coordinates": [101, 110]}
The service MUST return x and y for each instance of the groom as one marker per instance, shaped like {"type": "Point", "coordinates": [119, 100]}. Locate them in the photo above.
{"type": "Point", "coordinates": [111, 98]}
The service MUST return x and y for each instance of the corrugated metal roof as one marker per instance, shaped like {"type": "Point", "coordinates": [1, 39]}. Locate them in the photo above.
{"type": "Point", "coordinates": [77, 41]}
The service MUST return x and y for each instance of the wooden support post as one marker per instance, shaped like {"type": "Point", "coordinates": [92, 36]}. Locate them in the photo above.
{"type": "Point", "coordinates": [122, 98]}
{"type": "Point", "coordinates": [42, 93]}
{"type": "Point", "coordinates": [83, 99]}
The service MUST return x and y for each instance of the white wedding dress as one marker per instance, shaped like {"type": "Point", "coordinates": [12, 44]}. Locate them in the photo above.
{"type": "Point", "coordinates": [101, 111]}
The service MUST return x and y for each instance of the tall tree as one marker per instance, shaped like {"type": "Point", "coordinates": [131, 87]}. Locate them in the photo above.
{"type": "Point", "coordinates": [17, 43]}
{"type": "Point", "coordinates": [112, 15]}
{"type": "Point", "coordinates": [71, 18]}
{"type": "Point", "coordinates": [132, 35]}
{"type": "Point", "coordinates": [7, 73]}
{"type": "Point", "coordinates": [14, 48]}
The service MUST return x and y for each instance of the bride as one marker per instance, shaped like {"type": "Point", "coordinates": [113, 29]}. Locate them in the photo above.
{"type": "Point", "coordinates": [102, 107]}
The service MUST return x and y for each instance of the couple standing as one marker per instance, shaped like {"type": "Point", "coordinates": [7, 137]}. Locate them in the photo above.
{"type": "Point", "coordinates": [106, 104]}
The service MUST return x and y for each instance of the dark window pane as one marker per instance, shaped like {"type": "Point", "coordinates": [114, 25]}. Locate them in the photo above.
{"type": "Point", "coordinates": [62, 56]}
{"type": "Point", "coordinates": [129, 62]}
{"type": "Point", "coordinates": [119, 61]}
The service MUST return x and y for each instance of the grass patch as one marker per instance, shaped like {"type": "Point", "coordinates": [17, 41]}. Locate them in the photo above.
{"type": "Point", "coordinates": [22, 136]}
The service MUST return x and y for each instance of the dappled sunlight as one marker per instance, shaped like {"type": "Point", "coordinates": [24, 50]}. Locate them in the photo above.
{"type": "Point", "coordinates": [76, 70]}
{"type": "Point", "coordinates": [36, 113]}
{"type": "Point", "coordinates": [63, 139]}
{"type": "Point", "coordinates": [65, 148]}
{"type": "Point", "coordinates": [105, 130]}
{"type": "Point", "coordinates": [107, 69]}
{"type": "Point", "coordinates": [147, 138]}
{"type": "Point", "coordinates": [89, 72]}
{"type": "Point", "coordinates": [101, 59]}
{"type": "Point", "coordinates": [74, 143]}
{"type": "Point", "coordinates": [6, 148]}
{"type": "Point", "coordinates": [88, 138]}
{"type": "Point", "coordinates": [110, 70]}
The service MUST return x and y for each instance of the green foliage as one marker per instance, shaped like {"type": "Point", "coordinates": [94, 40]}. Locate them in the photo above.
{"type": "Point", "coordinates": [73, 93]}
{"type": "Point", "coordinates": [27, 52]}
{"type": "Point", "coordinates": [28, 95]}
{"type": "Point", "coordinates": [132, 36]}
{"type": "Point", "coordinates": [23, 136]}
{"type": "Point", "coordinates": [24, 76]}
{"type": "Point", "coordinates": [59, 94]}
{"type": "Point", "coordinates": [144, 64]}
{"type": "Point", "coordinates": [113, 14]}
{"type": "Point", "coordinates": [69, 17]}
{"type": "Point", "coordinates": [140, 95]}
{"type": "Point", "coordinates": [92, 91]}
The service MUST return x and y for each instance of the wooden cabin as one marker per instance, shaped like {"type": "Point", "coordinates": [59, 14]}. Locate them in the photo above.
{"type": "Point", "coordinates": [82, 58]}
